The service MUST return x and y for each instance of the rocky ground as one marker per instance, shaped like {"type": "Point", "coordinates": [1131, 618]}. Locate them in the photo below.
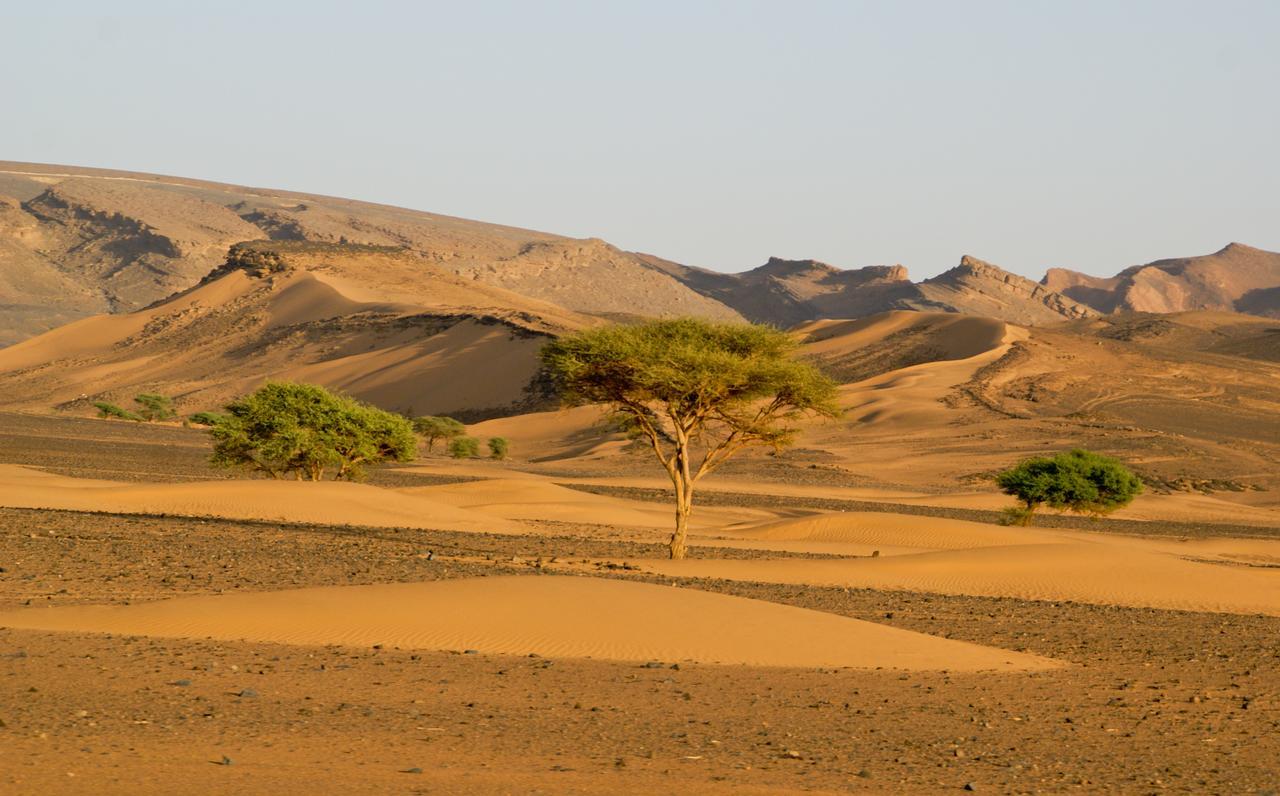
{"type": "Point", "coordinates": [1154, 701]}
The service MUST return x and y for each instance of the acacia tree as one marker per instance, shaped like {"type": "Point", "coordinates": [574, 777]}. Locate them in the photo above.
{"type": "Point", "coordinates": [433, 428]}
{"type": "Point", "coordinates": [696, 392]}
{"type": "Point", "coordinates": [1078, 480]}
{"type": "Point", "coordinates": [303, 430]}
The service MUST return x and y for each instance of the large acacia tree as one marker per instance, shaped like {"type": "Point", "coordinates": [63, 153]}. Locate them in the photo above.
{"type": "Point", "coordinates": [696, 392]}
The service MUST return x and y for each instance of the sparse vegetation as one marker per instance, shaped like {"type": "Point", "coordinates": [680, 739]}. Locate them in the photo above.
{"type": "Point", "coordinates": [498, 447]}
{"type": "Point", "coordinates": [205, 418]}
{"type": "Point", "coordinates": [433, 428]}
{"type": "Point", "coordinates": [109, 410]}
{"type": "Point", "coordinates": [154, 407]}
{"type": "Point", "coordinates": [697, 392]}
{"type": "Point", "coordinates": [1079, 481]}
{"type": "Point", "coordinates": [464, 447]}
{"type": "Point", "coordinates": [304, 430]}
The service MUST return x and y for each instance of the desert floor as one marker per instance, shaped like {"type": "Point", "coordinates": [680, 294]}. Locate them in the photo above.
{"type": "Point", "coordinates": [165, 628]}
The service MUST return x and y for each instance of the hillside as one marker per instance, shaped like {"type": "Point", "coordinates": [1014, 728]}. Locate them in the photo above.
{"type": "Point", "coordinates": [1237, 277]}
{"type": "Point", "coordinates": [76, 242]}
{"type": "Point", "coordinates": [380, 323]}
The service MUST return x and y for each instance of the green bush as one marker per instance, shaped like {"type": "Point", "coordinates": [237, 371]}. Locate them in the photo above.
{"type": "Point", "coordinates": [111, 410]}
{"type": "Point", "coordinates": [154, 407]}
{"type": "Point", "coordinates": [1078, 481]}
{"type": "Point", "coordinates": [498, 447]}
{"type": "Point", "coordinates": [303, 430]}
{"type": "Point", "coordinates": [464, 447]}
{"type": "Point", "coordinates": [205, 418]}
{"type": "Point", "coordinates": [433, 428]}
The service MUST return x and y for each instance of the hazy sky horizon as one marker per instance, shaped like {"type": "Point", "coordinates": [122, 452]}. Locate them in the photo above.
{"type": "Point", "coordinates": [1086, 135]}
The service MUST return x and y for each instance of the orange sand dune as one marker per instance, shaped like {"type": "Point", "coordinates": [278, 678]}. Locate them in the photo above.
{"type": "Point", "coordinates": [536, 499]}
{"type": "Point", "coordinates": [328, 502]}
{"type": "Point", "coordinates": [883, 530]}
{"type": "Point", "coordinates": [1076, 571]}
{"type": "Point", "coordinates": [549, 616]}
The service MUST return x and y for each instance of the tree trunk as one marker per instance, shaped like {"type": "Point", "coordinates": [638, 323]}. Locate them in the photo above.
{"type": "Point", "coordinates": [682, 477]}
{"type": "Point", "coordinates": [684, 504]}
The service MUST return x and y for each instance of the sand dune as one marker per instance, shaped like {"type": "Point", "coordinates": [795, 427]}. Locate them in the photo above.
{"type": "Point", "coordinates": [883, 530]}
{"type": "Point", "coordinates": [1071, 570]}
{"type": "Point", "coordinates": [536, 499]}
{"type": "Point", "coordinates": [577, 433]}
{"type": "Point", "coordinates": [328, 502]}
{"type": "Point", "coordinates": [548, 616]}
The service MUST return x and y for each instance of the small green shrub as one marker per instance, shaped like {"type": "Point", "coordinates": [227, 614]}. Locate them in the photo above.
{"type": "Point", "coordinates": [205, 418]}
{"type": "Point", "coordinates": [154, 407]}
{"type": "Point", "coordinates": [111, 410]}
{"type": "Point", "coordinates": [1078, 480]}
{"type": "Point", "coordinates": [498, 447]}
{"type": "Point", "coordinates": [464, 447]}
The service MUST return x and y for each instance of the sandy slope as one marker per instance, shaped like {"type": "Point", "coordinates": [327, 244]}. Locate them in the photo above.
{"type": "Point", "coordinates": [536, 499]}
{"type": "Point", "coordinates": [1074, 571]}
{"type": "Point", "coordinates": [329, 502]}
{"type": "Point", "coordinates": [549, 616]}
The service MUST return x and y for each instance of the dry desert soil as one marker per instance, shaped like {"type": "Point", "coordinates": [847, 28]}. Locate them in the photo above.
{"type": "Point", "coordinates": [161, 634]}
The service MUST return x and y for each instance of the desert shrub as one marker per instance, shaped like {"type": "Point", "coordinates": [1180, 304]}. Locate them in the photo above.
{"type": "Point", "coordinates": [1078, 481]}
{"type": "Point", "coordinates": [303, 430]}
{"type": "Point", "coordinates": [432, 428]}
{"type": "Point", "coordinates": [695, 392]}
{"type": "Point", "coordinates": [498, 447]}
{"type": "Point", "coordinates": [205, 418]}
{"type": "Point", "coordinates": [154, 407]}
{"type": "Point", "coordinates": [464, 447]}
{"type": "Point", "coordinates": [111, 410]}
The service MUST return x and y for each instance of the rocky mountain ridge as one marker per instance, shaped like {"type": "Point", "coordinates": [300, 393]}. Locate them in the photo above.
{"type": "Point", "coordinates": [76, 242]}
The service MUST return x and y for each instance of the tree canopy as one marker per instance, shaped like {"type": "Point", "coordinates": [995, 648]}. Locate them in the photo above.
{"type": "Point", "coordinates": [697, 392]}
{"type": "Point", "coordinates": [304, 430]}
{"type": "Point", "coordinates": [1077, 480]}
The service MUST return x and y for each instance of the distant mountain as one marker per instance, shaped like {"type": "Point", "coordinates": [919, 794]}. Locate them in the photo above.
{"type": "Point", "coordinates": [1237, 278]}
{"type": "Point", "coordinates": [79, 241]}
{"type": "Point", "coordinates": [787, 292]}
{"type": "Point", "coordinates": [76, 242]}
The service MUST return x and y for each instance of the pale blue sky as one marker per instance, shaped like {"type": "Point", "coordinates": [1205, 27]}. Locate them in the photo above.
{"type": "Point", "coordinates": [1032, 134]}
